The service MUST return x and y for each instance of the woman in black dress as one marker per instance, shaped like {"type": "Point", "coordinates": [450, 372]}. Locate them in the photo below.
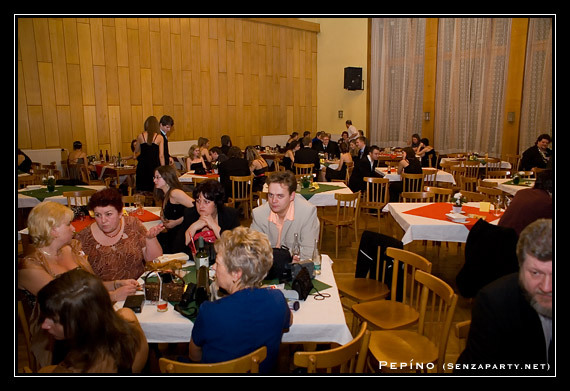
{"type": "Point", "coordinates": [409, 164]}
{"type": "Point", "coordinates": [174, 202]}
{"type": "Point", "coordinates": [150, 150]}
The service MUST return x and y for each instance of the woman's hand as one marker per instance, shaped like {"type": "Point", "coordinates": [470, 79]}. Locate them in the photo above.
{"type": "Point", "coordinates": [154, 231]}
{"type": "Point", "coordinates": [212, 224]}
{"type": "Point", "coordinates": [191, 231]}
{"type": "Point", "coordinates": [124, 288]}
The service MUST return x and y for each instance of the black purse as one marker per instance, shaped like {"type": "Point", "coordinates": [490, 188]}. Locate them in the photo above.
{"type": "Point", "coordinates": [281, 268]}
{"type": "Point", "coordinates": [302, 283]}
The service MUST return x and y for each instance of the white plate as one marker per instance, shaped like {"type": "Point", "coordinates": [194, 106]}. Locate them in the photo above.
{"type": "Point", "coordinates": [33, 187]}
{"type": "Point", "coordinates": [456, 218]}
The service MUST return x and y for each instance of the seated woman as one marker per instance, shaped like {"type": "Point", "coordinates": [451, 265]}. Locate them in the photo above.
{"type": "Point", "coordinates": [54, 252]}
{"type": "Point", "coordinates": [75, 160]}
{"type": "Point", "coordinates": [249, 317]}
{"type": "Point", "coordinates": [24, 162]}
{"type": "Point", "coordinates": [204, 145]}
{"type": "Point", "coordinates": [426, 153]}
{"type": "Point", "coordinates": [174, 203]}
{"type": "Point", "coordinates": [258, 167]}
{"type": "Point", "coordinates": [76, 308]}
{"type": "Point", "coordinates": [293, 137]}
{"type": "Point", "coordinates": [409, 164]}
{"type": "Point", "coordinates": [209, 213]}
{"type": "Point", "coordinates": [289, 158]}
{"type": "Point", "coordinates": [195, 161]}
{"type": "Point", "coordinates": [538, 155]}
{"type": "Point", "coordinates": [340, 171]}
{"type": "Point", "coordinates": [117, 246]}
{"type": "Point", "coordinates": [415, 142]}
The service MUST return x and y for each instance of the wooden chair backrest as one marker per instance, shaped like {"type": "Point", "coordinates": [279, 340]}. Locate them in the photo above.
{"type": "Point", "coordinates": [245, 364]}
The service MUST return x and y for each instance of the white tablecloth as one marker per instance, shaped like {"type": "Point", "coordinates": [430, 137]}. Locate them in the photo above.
{"type": "Point", "coordinates": [325, 198]}
{"type": "Point", "coordinates": [188, 177]}
{"type": "Point", "coordinates": [315, 321]}
{"type": "Point", "coordinates": [25, 201]}
{"type": "Point", "coordinates": [504, 165]}
{"type": "Point", "coordinates": [425, 228]}
{"type": "Point", "coordinates": [510, 189]}
{"type": "Point", "coordinates": [442, 176]}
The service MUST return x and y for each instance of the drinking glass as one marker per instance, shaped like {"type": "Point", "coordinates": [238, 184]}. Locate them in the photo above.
{"type": "Point", "coordinates": [139, 203]}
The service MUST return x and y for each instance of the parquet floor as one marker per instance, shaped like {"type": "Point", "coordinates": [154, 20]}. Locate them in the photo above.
{"type": "Point", "coordinates": [446, 259]}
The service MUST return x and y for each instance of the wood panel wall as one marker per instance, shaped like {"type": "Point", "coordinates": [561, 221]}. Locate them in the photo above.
{"type": "Point", "coordinates": [97, 79]}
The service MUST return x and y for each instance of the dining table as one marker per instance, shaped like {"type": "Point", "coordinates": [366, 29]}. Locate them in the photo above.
{"type": "Point", "coordinates": [432, 221]}
{"type": "Point", "coordinates": [319, 319]}
{"type": "Point", "coordinates": [504, 165]}
{"type": "Point", "coordinates": [189, 176]}
{"type": "Point", "coordinates": [393, 176]}
{"type": "Point", "coordinates": [34, 194]}
{"type": "Point", "coordinates": [105, 169]}
{"type": "Point", "coordinates": [509, 187]}
{"type": "Point", "coordinates": [323, 195]}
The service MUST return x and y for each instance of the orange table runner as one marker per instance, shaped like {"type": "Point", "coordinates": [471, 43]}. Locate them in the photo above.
{"type": "Point", "coordinates": [80, 224]}
{"type": "Point", "coordinates": [439, 210]}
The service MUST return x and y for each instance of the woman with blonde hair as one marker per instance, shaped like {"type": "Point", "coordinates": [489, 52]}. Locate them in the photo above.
{"type": "Point", "coordinates": [195, 161]}
{"type": "Point", "coordinates": [54, 253]}
{"type": "Point", "coordinates": [258, 167]}
{"type": "Point", "coordinates": [75, 308]}
{"type": "Point", "coordinates": [204, 145]}
{"type": "Point", "coordinates": [250, 316]}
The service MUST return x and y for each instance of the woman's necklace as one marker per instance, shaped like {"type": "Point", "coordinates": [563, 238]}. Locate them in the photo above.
{"type": "Point", "coordinates": [119, 231]}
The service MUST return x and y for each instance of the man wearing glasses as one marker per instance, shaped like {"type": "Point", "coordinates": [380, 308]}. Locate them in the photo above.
{"type": "Point", "coordinates": [284, 215]}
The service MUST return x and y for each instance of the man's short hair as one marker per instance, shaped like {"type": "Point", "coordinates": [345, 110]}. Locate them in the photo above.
{"type": "Point", "coordinates": [306, 141]}
{"type": "Point", "coordinates": [166, 120]}
{"type": "Point", "coordinates": [372, 148]}
{"type": "Point", "coordinates": [286, 178]}
{"type": "Point", "coordinates": [536, 240]}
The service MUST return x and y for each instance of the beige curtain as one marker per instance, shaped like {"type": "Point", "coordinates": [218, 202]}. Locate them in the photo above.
{"type": "Point", "coordinates": [536, 111]}
{"type": "Point", "coordinates": [396, 78]}
{"type": "Point", "coordinates": [472, 63]}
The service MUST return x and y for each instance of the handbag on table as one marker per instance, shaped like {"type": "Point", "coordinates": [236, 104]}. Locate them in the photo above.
{"type": "Point", "coordinates": [172, 286]}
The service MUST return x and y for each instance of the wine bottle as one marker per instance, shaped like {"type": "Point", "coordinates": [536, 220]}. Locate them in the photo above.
{"type": "Point", "coordinates": [106, 155]}
{"type": "Point", "coordinates": [317, 258]}
{"type": "Point", "coordinates": [202, 285]}
{"type": "Point", "coordinates": [201, 258]}
{"type": "Point", "coordinates": [296, 250]}
{"type": "Point", "coordinates": [101, 155]}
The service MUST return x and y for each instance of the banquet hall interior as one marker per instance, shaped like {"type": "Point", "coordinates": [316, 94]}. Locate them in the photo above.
{"type": "Point", "coordinates": [471, 86]}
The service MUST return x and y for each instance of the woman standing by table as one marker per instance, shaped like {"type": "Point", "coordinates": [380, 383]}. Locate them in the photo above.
{"type": "Point", "coordinates": [117, 246]}
{"type": "Point", "coordinates": [249, 317]}
{"type": "Point", "coordinates": [174, 203]}
{"type": "Point", "coordinates": [150, 150]}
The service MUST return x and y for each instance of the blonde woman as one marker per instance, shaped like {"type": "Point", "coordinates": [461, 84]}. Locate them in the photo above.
{"type": "Point", "coordinates": [195, 161]}
{"type": "Point", "coordinates": [258, 167]}
{"type": "Point", "coordinates": [250, 316]}
{"type": "Point", "coordinates": [204, 145]}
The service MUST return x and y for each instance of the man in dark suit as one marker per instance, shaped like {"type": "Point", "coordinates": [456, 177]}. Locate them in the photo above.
{"type": "Point", "coordinates": [307, 155]}
{"type": "Point", "coordinates": [166, 124]}
{"type": "Point", "coordinates": [511, 328]}
{"type": "Point", "coordinates": [235, 165]}
{"type": "Point", "coordinates": [365, 167]}
{"type": "Point", "coordinates": [362, 149]}
{"type": "Point", "coordinates": [328, 146]}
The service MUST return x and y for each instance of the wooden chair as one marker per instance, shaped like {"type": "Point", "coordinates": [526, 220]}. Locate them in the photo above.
{"type": "Point", "coordinates": [242, 192]}
{"type": "Point", "coordinates": [417, 196]}
{"type": "Point", "coordinates": [364, 289]}
{"type": "Point", "coordinates": [492, 164]}
{"type": "Point", "coordinates": [501, 174]}
{"type": "Point", "coordinates": [26, 180]}
{"type": "Point", "coordinates": [490, 193]}
{"type": "Point", "coordinates": [196, 180]}
{"type": "Point", "coordinates": [536, 170]}
{"type": "Point", "coordinates": [526, 174]}
{"type": "Point", "coordinates": [392, 314]}
{"type": "Point", "coordinates": [486, 183]}
{"type": "Point", "coordinates": [462, 332]}
{"type": "Point", "coordinates": [430, 176]}
{"type": "Point", "coordinates": [349, 169]}
{"type": "Point", "coordinates": [87, 179]}
{"type": "Point", "coordinates": [472, 196]}
{"type": "Point", "coordinates": [441, 194]}
{"type": "Point", "coordinates": [471, 168]}
{"type": "Point", "coordinates": [245, 364]}
{"type": "Point", "coordinates": [350, 358]}
{"type": "Point", "coordinates": [412, 182]}
{"type": "Point", "coordinates": [458, 172]}
{"type": "Point", "coordinates": [513, 160]}
{"type": "Point", "coordinates": [129, 200]}
{"type": "Point", "coordinates": [261, 195]}
{"type": "Point", "coordinates": [429, 343]}
{"type": "Point", "coordinates": [468, 183]}
{"type": "Point", "coordinates": [304, 169]}
{"type": "Point", "coordinates": [24, 323]}
{"type": "Point", "coordinates": [80, 197]}
{"type": "Point", "coordinates": [346, 214]}
{"type": "Point", "coordinates": [376, 196]}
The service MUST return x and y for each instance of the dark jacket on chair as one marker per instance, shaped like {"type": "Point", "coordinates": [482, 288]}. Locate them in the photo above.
{"type": "Point", "coordinates": [490, 253]}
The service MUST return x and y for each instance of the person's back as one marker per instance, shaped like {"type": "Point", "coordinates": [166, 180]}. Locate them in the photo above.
{"type": "Point", "coordinates": [235, 165]}
{"type": "Point", "coordinates": [257, 319]}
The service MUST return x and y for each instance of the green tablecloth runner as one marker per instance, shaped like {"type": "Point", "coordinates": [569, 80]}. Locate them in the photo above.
{"type": "Point", "coordinates": [523, 182]}
{"type": "Point", "coordinates": [42, 193]}
{"type": "Point", "coordinates": [322, 188]}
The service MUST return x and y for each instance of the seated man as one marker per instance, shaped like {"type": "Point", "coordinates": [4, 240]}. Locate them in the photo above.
{"type": "Point", "coordinates": [511, 328]}
{"type": "Point", "coordinates": [365, 167]}
{"type": "Point", "coordinates": [284, 215]}
{"type": "Point", "coordinates": [307, 155]}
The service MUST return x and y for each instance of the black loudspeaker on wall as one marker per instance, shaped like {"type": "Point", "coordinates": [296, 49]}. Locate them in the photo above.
{"type": "Point", "coordinates": [353, 78]}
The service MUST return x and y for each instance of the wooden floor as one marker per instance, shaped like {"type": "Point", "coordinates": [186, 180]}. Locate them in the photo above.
{"type": "Point", "coordinates": [446, 260]}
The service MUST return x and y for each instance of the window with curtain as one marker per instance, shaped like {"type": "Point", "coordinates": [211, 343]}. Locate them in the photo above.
{"type": "Point", "coordinates": [536, 110]}
{"type": "Point", "coordinates": [396, 78]}
{"type": "Point", "coordinates": [472, 63]}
